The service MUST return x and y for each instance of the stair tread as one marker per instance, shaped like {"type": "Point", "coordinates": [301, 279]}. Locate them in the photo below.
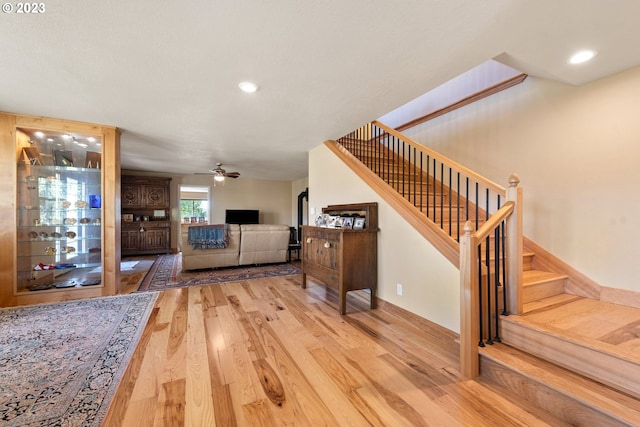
{"type": "Point", "coordinates": [589, 392]}
{"type": "Point", "coordinates": [548, 303]}
{"type": "Point", "coordinates": [605, 325]}
{"type": "Point", "coordinates": [571, 336]}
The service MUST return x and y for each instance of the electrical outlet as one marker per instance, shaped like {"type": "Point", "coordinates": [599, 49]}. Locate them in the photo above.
{"type": "Point", "coordinates": [399, 289]}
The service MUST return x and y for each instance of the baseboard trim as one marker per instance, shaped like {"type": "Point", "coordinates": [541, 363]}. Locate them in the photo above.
{"type": "Point", "coordinates": [445, 338]}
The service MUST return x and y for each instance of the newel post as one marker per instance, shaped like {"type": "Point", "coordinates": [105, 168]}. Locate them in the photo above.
{"type": "Point", "coordinates": [469, 311]}
{"type": "Point", "coordinates": [514, 247]}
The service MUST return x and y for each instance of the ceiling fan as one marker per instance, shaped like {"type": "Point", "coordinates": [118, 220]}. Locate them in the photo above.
{"type": "Point", "coordinates": [220, 174]}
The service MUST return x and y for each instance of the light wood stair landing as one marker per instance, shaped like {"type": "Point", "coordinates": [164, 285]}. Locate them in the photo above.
{"type": "Point", "coordinates": [578, 351]}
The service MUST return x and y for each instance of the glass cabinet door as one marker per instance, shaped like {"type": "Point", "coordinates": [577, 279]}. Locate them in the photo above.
{"type": "Point", "coordinates": [59, 211]}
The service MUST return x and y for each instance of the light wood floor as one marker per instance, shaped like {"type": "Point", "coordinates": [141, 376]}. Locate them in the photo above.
{"type": "Point", "coordinates": [268, 353]}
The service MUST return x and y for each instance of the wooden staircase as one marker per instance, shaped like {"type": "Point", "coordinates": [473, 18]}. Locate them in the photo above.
{"type": "Point", "coordinates": [576, 357]}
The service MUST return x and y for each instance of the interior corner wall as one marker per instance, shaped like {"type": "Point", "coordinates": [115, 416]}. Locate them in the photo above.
{"type": "Point", "coordinates": [576, 150]}
{"type": "Point", "coordinates": [430, 282]}
{"type": "Point", "coordinates": [297, 187]}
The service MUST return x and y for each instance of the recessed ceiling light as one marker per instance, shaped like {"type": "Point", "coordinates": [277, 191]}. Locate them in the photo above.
{"type": "Point", "coordinates": [248, 87]}
{"type": "Point", "coordinates": [582, 56]}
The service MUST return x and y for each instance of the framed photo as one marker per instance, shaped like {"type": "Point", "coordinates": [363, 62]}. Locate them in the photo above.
{"type": "Point", "coordinates": [63, 158]}
{"type": "Point", "coordinates": [358, 223]}
{"type": "Point", "coordinates": [33, 155]}
{"type": "Point", "coordinates": [93, 160]}
{"type": "Point", "coordinates": [331, 221]}
{"type": "Point", "coordinates": [319, 220]}
{"type": "Point", "coordinates": [347, 222]}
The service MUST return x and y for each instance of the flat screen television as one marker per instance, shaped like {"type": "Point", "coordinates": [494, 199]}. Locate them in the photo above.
{"type": "Point", "coordinates": [242, 216]}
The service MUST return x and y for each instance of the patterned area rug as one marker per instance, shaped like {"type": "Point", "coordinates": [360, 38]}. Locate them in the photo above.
{"type": "Point", "coordinates": [60, 364]}
{"type": "Point", "coordinates": [166, 273]}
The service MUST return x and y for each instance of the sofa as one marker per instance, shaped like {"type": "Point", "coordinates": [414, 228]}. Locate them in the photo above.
{"type": "Point", "coordinates": [247, 244]}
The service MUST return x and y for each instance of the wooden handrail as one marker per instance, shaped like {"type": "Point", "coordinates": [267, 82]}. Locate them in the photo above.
{"type": "Point", "coordinates": [493, 221]}
{"type": "Point", "coordinates": [443, 159]}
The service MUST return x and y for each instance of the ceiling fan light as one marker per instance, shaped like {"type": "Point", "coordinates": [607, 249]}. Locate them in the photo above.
{"type": "Point", "coordinates": [218, 177]}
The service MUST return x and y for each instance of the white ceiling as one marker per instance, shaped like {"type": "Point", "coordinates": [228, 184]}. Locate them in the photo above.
{"type": "Point", "coordinates": [167, 72]}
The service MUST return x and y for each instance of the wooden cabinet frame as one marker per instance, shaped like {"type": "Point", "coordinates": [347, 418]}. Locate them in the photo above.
{"type": "Point", "coordinates": [141, 197]}
{"type": "Point", "coordinates": [9, 156]}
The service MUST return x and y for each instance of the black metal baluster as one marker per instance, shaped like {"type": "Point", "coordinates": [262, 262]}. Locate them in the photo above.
{"type": "Point", "coordinates": [403, 164]}
{"type": "Point", "coordinates": [496, 239]}
{"type": "Point", "coordinates": [421, 183]}
{"type": "Point", "coordinates": [426, 210]}
{"type": "Point", "coordinates": [389, 154]}
{"type": "Point", "coordinates": [487, 261]}
{"type": "Point", "coordinates": [480, 311]}
{"type": "Point", "coordinates": [414, 176]}
{"type": "Point", "coordinates": [378, 149]}
{"type": "Point", "coordinates": [395, 164]}
{"type": "Point", "coordinates": [477, 203]}
{"type": "Point", "coordinates": [435, 183]}
{"type": "Point", "coordinates": [442, 195]}
{"type": "Point", "coordinates": [449, 203]}
{"type": "Point", "coordinates": [467, 199]}
{"type": "Point", "coordinates": [458, 209]}
{"type": "Point", "coordinates": [505, 311]}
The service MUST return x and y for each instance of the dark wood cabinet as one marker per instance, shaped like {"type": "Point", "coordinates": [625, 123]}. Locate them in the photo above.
{"type": "Point", "coordinates": [140, 238]}
{"type": "Point", "coordinates": [344, 259]}
{"type": "Point", "coordinates": [146, 228]}
{"type": "Point", "coordinates": [145, 193]}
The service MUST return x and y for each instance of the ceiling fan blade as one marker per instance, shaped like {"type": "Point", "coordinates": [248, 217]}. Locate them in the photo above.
{"type": "Point", "coordinates": [232, 174]}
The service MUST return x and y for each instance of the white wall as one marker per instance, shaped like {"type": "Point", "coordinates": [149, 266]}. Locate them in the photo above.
{"type": "Point", "coordinates": [430, 282]}
{"type": "Point", "coordinates": [577, 151]}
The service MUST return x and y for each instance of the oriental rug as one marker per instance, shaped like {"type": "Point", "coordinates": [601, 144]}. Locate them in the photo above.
{"type": "Point", "coordinates": [61, 363]}
{"type": "Point", "coordinates": [166, 273]}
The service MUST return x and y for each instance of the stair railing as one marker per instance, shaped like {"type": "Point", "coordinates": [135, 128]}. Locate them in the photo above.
{"type": "Point", "coordinates": [448, 194]}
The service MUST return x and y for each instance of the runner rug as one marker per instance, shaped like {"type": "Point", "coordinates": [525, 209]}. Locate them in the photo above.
{"type": "Point", "coordinates": [60, 364]}
{"type": "Point", "coordinates": [166, 273]}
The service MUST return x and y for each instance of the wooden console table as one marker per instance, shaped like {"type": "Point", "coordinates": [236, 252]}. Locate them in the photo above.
{"type": "Point", "coordinates": [345, 259]}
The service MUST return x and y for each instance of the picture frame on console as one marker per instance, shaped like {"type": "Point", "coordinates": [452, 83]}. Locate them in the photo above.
{"type": "Point", "coordinates": [358, 223]}
{"type": "Point", "coordinates": [347, 222]}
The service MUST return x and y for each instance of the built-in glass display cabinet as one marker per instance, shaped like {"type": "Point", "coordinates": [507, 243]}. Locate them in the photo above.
{"type": "Point", "coordinates": [59, 231]}
{"type": "Point", "coordinates": [59, 211]}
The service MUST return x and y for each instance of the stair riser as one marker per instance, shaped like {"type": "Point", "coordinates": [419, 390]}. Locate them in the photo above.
{"type": "Point", "coordinates": [541, 395]}
{"type": "Point", "coordinates": [542, 290]}
{"type": "Point", "coordinates": [606, 368]}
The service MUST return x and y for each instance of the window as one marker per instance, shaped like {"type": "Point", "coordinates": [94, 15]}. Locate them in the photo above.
{"type": "Point", "coordinates": [194, 204]}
